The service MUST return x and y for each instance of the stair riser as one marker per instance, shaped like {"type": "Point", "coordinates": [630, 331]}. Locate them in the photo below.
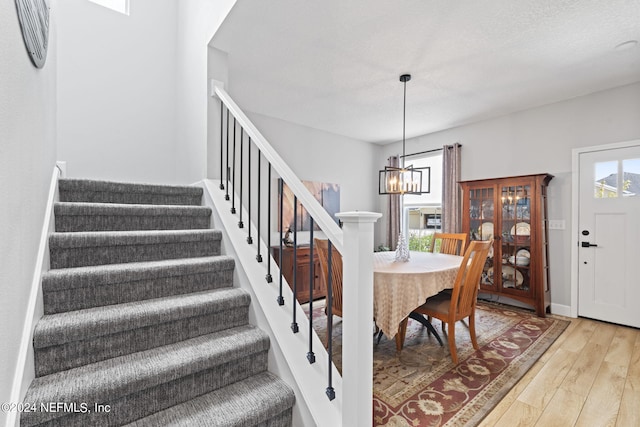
{"type": "Point", "coordinates": [77, 223]}
{"type": "Point", "coordinates": [270, 401]}
{"type": "Point", "coordinates": [284, 419]}
{"type": "Point", "coordinates": [88, 297]}
{"type": "Point", "coordinates": [156, 269]}
{"type": "Point", "coordinates": [116, 254]}
{"type": "Point", "coordinates": [129, 198]}
{"type": "Point", "coordinates": [130, 408]}
{"type": "Point", "coordinates": [78, 353]}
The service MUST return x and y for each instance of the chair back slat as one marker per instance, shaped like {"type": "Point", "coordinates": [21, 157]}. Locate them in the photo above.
{"type": "Point", "coordinates": [450, 243]}
{"type": "Point", "coordinates": [322, 246]}
{"type": "Point", "coordinates": [465, 289]}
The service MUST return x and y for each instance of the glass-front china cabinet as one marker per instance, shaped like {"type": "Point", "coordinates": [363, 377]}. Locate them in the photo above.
{"type": "Point", "coordinates": [513, 212]}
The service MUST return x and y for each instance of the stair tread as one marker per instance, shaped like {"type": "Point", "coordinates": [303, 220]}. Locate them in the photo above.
{"type": "Point", "coordinates": [134, 230]}
{"type": "Point", "coordinates": [124, 375]}
{"type": "Point", "coordinates": [96, 275]}
{"type": "Point", "coordinates": [247, 402]}
{"type": "Point", "coordinates": [60, 328]}
{"type": "Point", "coordinates": [70, 184]}
{"type": "Point", "coordinates": [137, 237]}
{"type": "Point", "coordinates": [90, 208]}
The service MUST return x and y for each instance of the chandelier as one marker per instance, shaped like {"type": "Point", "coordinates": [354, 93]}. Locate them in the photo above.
{"type": "Point", "coordinates": [405, 179]}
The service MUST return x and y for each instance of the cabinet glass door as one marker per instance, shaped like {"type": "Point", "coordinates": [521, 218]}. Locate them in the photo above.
{"type": "Point", "coordinates": [482, 225]}
{"type": "Point", "coordinates": [516, 239]}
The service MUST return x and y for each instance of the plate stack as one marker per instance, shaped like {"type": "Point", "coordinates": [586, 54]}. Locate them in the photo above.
{"type": "Point", "coordinates": [521, 233]}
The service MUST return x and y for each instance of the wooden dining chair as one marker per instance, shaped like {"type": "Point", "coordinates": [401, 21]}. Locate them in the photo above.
{"type": "Point", "coordinates": [461, 303]}
{"type": "Point", "coordinates": [450, 243]}
{"type": "Point", "coordinates": [322, 246]}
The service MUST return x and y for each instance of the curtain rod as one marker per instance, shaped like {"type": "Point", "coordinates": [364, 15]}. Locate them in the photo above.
{"type": "Point", "coordinates": [428, 151]}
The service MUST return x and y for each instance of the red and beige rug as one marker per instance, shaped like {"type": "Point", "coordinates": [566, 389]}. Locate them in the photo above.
{"type": "Point", "coordinates": [420, 386]}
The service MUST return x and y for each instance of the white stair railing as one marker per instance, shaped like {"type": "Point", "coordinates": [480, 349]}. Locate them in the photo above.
{"type": "Point", "coordinates": [353, 402]}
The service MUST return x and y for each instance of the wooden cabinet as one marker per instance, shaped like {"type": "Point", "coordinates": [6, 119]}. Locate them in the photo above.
{"type": "Point", "coordinates": [303, 269]}
{"type": "Point", "coordinates": [512, 211]}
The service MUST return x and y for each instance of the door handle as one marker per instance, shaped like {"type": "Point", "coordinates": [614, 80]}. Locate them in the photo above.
{"type": "Point", "coordinates": [588, 245]}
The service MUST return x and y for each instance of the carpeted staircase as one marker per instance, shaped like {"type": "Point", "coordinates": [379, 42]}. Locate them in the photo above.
{"type": "Point", "coordinates": [142, 326]}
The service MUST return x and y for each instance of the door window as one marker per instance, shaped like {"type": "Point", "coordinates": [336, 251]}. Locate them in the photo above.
{"type": "Point", "coordinates": [606, 180]}
{"type": "Point", "coordinates": [631, 178]}
{"type": "Point", "coordinates": [617, 178]}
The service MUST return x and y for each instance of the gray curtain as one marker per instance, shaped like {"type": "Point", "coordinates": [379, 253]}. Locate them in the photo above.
{"type": "Point", "coordinates": [393, 212]}
{"type": "Point", "coordinates": [451, 197]}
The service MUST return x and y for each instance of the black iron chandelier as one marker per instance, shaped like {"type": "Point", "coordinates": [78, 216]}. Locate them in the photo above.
{"type": "Point", "coordinates": [405, 179]}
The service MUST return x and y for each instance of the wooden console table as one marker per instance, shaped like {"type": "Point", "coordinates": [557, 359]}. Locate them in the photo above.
{"type": "Point", "coordinates": [301, 264]}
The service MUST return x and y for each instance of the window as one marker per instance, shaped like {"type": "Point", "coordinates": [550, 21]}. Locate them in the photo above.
{"type": "Point", "coordinates": [423, 212]}
{"type": "Point", "coordinates": [121, 6]}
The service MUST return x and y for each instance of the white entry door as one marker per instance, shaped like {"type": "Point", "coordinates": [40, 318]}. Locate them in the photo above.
{"type": "Point", "coordinates": [609, 235]}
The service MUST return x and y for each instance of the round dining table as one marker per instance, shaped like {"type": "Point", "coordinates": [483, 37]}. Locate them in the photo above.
{"type": "Point", "coordinates": [399, 287]}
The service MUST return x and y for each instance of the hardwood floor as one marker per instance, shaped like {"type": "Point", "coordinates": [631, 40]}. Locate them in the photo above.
{"type": "Point", "coordinates": [589, 377]}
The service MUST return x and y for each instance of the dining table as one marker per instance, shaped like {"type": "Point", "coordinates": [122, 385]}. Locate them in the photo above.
{"type": "Point", "coordinates": [399, 287]}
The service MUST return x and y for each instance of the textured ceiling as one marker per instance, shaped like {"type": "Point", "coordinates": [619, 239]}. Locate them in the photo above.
{"type": "Point", "coordinates": [334, 64]}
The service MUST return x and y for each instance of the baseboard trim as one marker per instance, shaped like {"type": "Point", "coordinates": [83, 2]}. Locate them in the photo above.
{"type": "Point", "coordinates": [561, 310]}
{"type": "Point", "coordinates": [25, 371]}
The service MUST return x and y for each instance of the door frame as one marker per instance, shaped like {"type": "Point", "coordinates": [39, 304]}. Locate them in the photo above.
{"type": "Point", "coordinates": [575, 208]}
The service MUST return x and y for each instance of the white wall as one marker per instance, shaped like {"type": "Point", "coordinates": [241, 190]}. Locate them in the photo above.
{"type": "Point", "coordinates": [316, 155]}
{"type": "Point", "coordinates": [133, 89]}
{"type": "Point", "coordinates": [117, 91]}
{"type": "Point", "coordinates": [217, 70]}
{"type": "Point", "coordinates": [27, 159]}
{"type": "Point", "coordinates": [540, 140]}
{"type": "Point", "coordinates": [198, 20]}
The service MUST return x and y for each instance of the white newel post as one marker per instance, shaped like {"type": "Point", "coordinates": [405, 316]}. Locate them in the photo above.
{"type": "Point", "coordinates": [357, 321]}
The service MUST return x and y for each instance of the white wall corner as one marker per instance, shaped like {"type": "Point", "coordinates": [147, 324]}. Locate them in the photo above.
{"type": "Point", "coordinates": [213, 83]}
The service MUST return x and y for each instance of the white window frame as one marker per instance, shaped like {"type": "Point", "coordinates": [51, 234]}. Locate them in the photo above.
{"type": "Point", "coordinates": [120, 6]}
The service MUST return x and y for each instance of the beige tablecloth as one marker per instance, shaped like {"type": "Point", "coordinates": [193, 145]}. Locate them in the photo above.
{"type": "Point", "coordinates": [400, 287]}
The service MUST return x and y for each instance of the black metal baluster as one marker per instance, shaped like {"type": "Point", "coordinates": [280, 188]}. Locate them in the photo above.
{"type": "Point", "coordinates": [311, 357]}
{"type": "Point", "coordinates": [233, 176]}
{"type": "Point", "coordinates": [221, 144]}
{"type": "Point", "coordinates": [259, 256]}
{"type": "Point", "coordinates": [240, 223]}
{"type": "Point", "coordinates": [294, 323]}
{"type": "Point", "coordinates": [249, 238]}
{"type": "Point", "coordinates": [281, 194]}
{"type": "Point", "coordinates": [331, 393]}
{"type": "Point", "coordinates": [268, 277]}
{"type": "Point", "coordinates": [226, 196]}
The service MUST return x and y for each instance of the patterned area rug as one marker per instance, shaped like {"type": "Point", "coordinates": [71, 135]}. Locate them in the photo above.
{"type": "Point", "coordinates": [420, 386]}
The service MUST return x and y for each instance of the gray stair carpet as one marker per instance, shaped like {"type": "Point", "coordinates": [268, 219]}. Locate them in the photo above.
{"type": "Point", "coordinates": [109, 217]}
{"type": "Point", "coordinates": [221, 407]}
{"type": "Point", "coordinates": [142, 323]}
{"type": "Point", "coordinates": [68, 289]}
{"type": "Point", "coordinates": [89, 191]}
{"type": "Point", "coordinates": [80, 249]}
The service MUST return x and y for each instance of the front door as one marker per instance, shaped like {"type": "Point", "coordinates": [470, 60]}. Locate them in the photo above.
{"type": "Point", "coordinates": [609, 235]}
